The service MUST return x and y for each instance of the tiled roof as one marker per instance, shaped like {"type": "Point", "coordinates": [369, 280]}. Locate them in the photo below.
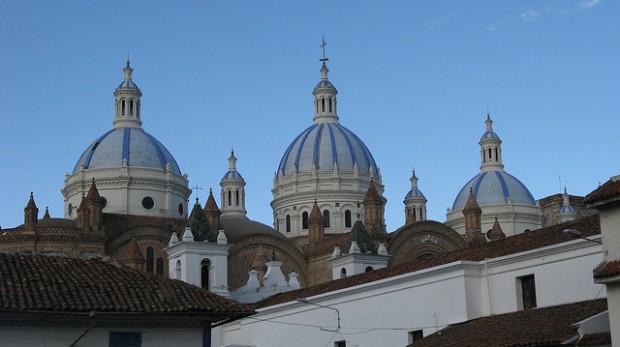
{"type": "Point", "coordinates": [609, 190]}
{"type": "Point", "coordinates": [71, 285]}
{"type": "Point", "coordinates": [549, 326]}
{"type": "Point", "coordinates": [598, 339]}
{"type": "Point", "coordinates": [519, 243]}
{"type": "Point", "coordinates": [607, 269]}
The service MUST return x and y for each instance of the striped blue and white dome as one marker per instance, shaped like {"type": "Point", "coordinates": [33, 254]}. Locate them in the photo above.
{"type": "Point", "coordinates": [492, 188]}
{"type": "Point", "coordinates": [133, 145]}
{"type": "Point", "coordinates": [414, 193]}
{"type": "Point", "coordinates": [232, 175]}
{"type": "Point", "coordinates": [322, 145]}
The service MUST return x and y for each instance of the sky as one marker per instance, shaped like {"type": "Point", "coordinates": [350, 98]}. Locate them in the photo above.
{"type": "Point", "coordinates": [415, 81]}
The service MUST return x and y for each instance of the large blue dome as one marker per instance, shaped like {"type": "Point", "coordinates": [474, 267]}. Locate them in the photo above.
{"type": "Point", "coordinates": [130, 144]}
{"type": "Point", "coordinates": [322, 145]}
{"type": "Point", "coordinates": [494, 187]}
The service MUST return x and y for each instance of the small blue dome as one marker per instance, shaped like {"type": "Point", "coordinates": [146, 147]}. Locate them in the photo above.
{"type": "Point", "coordinates": [232, 175]}
{"type": "Point", "coordinates": [133, 145]}
{"type": "Point", "coordinates": [489, 135]}
{"type": "Point", "coordinates": [323, 144]}
{"type": "Point", "coordinates": [128, 84]}
{"type": "Point", "coordinates": [494, 187]}
{"type": "Point", "coordinates": [413, 193]}
{"type": "Point", "coordinates": [568, 209]}
{"type": "Point", "coordinates": [324, 84]}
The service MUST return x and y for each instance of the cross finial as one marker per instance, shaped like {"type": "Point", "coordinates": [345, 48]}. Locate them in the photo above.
{"type": "Point", "coordinates": [323, 44]}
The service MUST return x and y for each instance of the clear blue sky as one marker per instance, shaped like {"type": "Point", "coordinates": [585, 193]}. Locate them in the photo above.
{"type": "Point", "coordinates": [414, 80]}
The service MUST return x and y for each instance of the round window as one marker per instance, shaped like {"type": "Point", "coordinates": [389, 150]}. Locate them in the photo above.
{"type": "Point", "coordinates": [181, 209]}
{"type": "Point", "coordinates": [148, 203]}
{"type": "Point", "coordinates": [104, 202]}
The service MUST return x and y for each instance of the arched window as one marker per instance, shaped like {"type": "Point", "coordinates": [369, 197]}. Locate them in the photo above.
{"type": "Point", "coordinates": [131, 107]}
{"type": "Point", "coordinates": [150, 259]}
{"type": "Point", "coordinates": [330, 104]}
{"type": "Point", "coordinates": [316, 103]}
{"type": "Point", "coordinates": [159, 267]}
{"type": "Point", "coordinates": [496, 155]}
{"type": "Point", "coordinates": [123, 107]}
{"type": "Point", "coordinates": [347, 219]}
{"type": "Point", "coordinates": [205, 264]}
{"type": "Point", "coordinates": [421, 213]}
{"type": "Point", "coordinates": [229, 198]}
{"type": "Point", "coordinates": [413, 214]}
{"type": "Point", "coordinates": [236, 198]}
{"type": "Point", "coordinates": [304, 220]}
{"type": "Point", "coordinates": [322, 104]}
{"type": "Point", "coordinates": [326, 218]}
{"type": "Point", "coordinates": [490, 153]}
{"type": "Point", "coordinates": [343, 273]}
{"type": "Point", "coordinates": [288, 223]}
{"type": "Point", "coordinates": [138, 109]}
{"type": "Point", "coordinates": [177, 270]}
{"type": "Point", "coordinates": [368, 269]}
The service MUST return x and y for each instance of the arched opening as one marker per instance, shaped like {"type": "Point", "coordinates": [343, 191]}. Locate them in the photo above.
{"type": "Point", "coordinates": [288, 223]}
{"type": "Point", "coordinates": [326, 218]}
{"type": "Point", "coordinates": [131, 107]}
{"type": "Point", "coordinates": [236, 198]}
{"type": "Point", "coordinates": [205, 264]}
{"type": "Point", "coordinates": [159, 267]}
{"type": "Point", "coordinates": [322, 104]}
{"type": "Point", "coordinates": [490, 155]}
{"type": "Point", "coordinates": [343, 273]}
{"type": "Point", "coordinates": [496, 154]}
{"type": "Point", "coordinates": [368, 269]}
{"type": "Point", "coordinates": [123, 107]}
{"type": "Point", "coordinates": [347, 219]}
{"type": "Point", "coordinates": [304, 220]}
{"type": "Point", "coordinates": [177, 270]}
{"type": "Point", "coordinates": [150, 259]}
{"type": "Point", "coordinates": [330, 104]}
{"type": "Point", "coordinates": [229, 198]}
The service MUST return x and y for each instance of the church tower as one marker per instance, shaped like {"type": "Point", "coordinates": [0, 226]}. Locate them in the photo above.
{"type": "Point", "coordinates": [233, 190]}
{"type": "Point", "coordinates": [415, 203]}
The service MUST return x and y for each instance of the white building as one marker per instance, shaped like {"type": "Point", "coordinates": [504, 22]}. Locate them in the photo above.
{"type": "Point", "coordinates": [387, 307]}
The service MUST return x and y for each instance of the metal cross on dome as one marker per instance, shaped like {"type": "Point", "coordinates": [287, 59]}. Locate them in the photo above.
{"type": "Point", "coordinates": [323, 44]}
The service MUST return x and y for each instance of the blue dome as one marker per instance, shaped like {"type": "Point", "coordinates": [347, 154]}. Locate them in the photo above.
{"type": "Point", "coordinates": [490, 134]}
{"type": "Point", "coordinates": [324, 144]}
{"type": "Point", "coordinates": [413, 193]}
{"type": "Point", "coordinates": [232, 175]}
{"type": "Point", "coordinates": [494, 187]}
{"type": "Point", "coordinates": [568, 209]}
{"type": "Point", "coordinates": [128, 84]}
{"type": "Point", "coordinates": [134, 145]}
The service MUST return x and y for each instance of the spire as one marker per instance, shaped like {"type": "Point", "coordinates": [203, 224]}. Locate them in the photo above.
{"type": "Point", "coordinates": [490, 148]}
{"type": "Point", "coordinates": [90, 211]}
{"type": "Point", "coordinates": [212, 211]}
{"type": "Point", "coordinates": [47, 213]}
{"type": "Point", "coordinates": [324, 94]}
{"type": "Point", "coordinates": [31, 213]}
{"type": "Point", "coordinates": [496, 232]}
{"type": "Point", "coordinates": [473, 221]}
{"type": "Point", "coordinates": [127, 101]}
{"type": "Point", "coordinates": [316, 227]}
{"type": "Point", "coordinates": [373, 206]}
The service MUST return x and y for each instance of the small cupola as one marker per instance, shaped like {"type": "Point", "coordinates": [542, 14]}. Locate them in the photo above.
{"type": "Point", "coordinates": [127, 102]}
{"type": "Point", "coordinates": [490, 148]}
